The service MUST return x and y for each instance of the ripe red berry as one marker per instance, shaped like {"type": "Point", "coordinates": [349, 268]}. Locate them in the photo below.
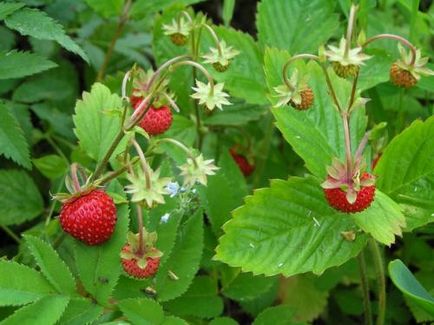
{"type": "Point", "coordinates": [157, 120]}
{"type": "Point", "coordinates": [90, 218]}
{"type": "Point", "coordinates": [132, 268]}
{"type": "Point", "coordinates": [336, 197]}
{"type": "Point", "coordinates": [242, 162]}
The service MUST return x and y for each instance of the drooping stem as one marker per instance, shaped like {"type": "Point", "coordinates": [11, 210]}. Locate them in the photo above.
{"type": "Point", "coordinates": [347, 136]}
{"type": "Point", "coordinates": [365, 288]}
{"type": "Point", "coordinates": [214, 37]}
{"type": "Point", "coordinates": [180, 145]}
{"type": "Point", "coordinates": [144, 163]}
{"type": "Point", "coordinates": [164, 66]}
{"type": "Point", "coordinates": [141, 248]}
{"type": "Point", "coordinates": [330, 87]}
{"type": "Point", "coordinates": [198, 67]}
{"type": "Point", "coordinates": [197, 114]}
{"type": "Point", "coordinates": [120, 26]}
{"type": "Point", "coordinates": [353, 91]}
{"type": "Point", "coordinates": [11, 233]}
{"type": "Point", "coordinates": [116, 173]}
{"type": "Point", "coordinates": [351, 23]}
{"type": "Point", "coordinates": [74, 177]}
{"type": "Point", "coordinates": [291, 60]}
{"type": "Point", "coordinates": [381, 280]}
{"type": "Point", "coordinates": [397, 38]}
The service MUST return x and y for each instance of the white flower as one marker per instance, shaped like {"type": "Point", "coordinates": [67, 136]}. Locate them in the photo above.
{"type": "Point", "coordinates": [180, 26]}
{"type": "Point", "coordinates": [353, 57]}
{"type": "Point", "coordinates": [223, 57]}
{"type": "Point", "coordinates": [164, 218]}
{"type": "Point", "coordinates": [142, 191]}
{"type": "Point", "coordinates": [196, 170]}
{"type": "Point", "coordinates": [211, 97]}
{"type": "Point", "coordinates": [173, 188]}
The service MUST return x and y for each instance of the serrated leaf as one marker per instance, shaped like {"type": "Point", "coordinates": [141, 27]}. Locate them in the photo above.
{"type": "Point", "coordinates": [45, 311]}
{"type": "Point", "coordinates": [288, 24]}
{"type": "Point", "coordinates": [405, 281]}
{"type": "Point", "coordinates": [142, 7]}
{"type": "Point", "coordinates": [236, 114]}
{"type": "Point", "coordinates": [383, 220]}
{"type": "Point", "coordinates": [51, 166]}
{"type": "Point", "coordinates": [225, 192]}
{"type": "Point", "coordinates": [172, 320]}
{"type": "Point", "coordinates": [107, 8]}
{"type": "Point", "coordinates": [80, 311]}
{"type": "Point", "coordinates": [36, 23]}
{"type": "Point", "coordinates": [20, 285]}
{"type": "Point", "coordinates": [94, 127]}
{"type": "Point", "coordinates": [99, 267]}
{"type": "Point", "coordinates": [13, 144]}
{"type": "Point", "coordinates": [201, 300]}
{"type": "Point", "coordinates": [51, 265]}
{"type": "Point", "coordinates": [248, 287]}
{"type": "Point", "coordinates": [167, 234]}
{"type": "Point", "coordinates": [183, 261]}
{"type": "Point", "coordinates": [20, 199]}
{"type": "Point", "coordinates": [142, 311]}
{"type": "Point", "coordinates": [288, 228]}
{"type": "Point", "coordinates": [277, 315]}
{"type": "Point", "coordinates": [15, 64]}
{"type": "Point", "coordinates": [7, 8]}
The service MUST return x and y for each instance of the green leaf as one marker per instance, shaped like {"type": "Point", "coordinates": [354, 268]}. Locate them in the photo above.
{"type": "Point", "coordinates": [167, 234]}
{"type": "Point", "coordinates": [383, 220]}
{"type": "Point", "coordinates": [20, 285]}
{"type": "Point", "coordinates": [223, 321]}
{"type": "Point", "coordinates": [172, 320]}
{"type": "Point", "coordinates": [107, 8]}
{"type": "Point", "coordinates": [146, 7]}
{"type": "Point", "coordinates": [7, 8]}
{"type": "Point", "coordinates": [20, 199]}
{"type": "Point", "coordinates": [201, 300]}
{"type": "Point", "coordinates": [288, 24]}
{"type": "Point", "coordinates": [80, 311]}
{"type": "Point", "coordinates": [236, 114]}
{"type": "Point", "coordinates": [13, 144]}
{"type": "Point", "coordinates": [225, 192]}
{"type": "Point", "coordinates": [15, 64]}
{"type": "Point", "coordinates": [51, 265]}
{"type": "Point", "coordinates": [142, 311]}
{"type": "Point", "coordinates": [36, 23]}
{"type": "Point", "coordinates": [51, 166]}
{"type": "Point", "coordinates": [99, 267]}
{"type": "Point", "coordinates": [95, 126]}
{"type": "Point", "coordinates": [288, 228]}
{"type": "Point", "coordinates": [277, 315]}
{"type": "Point", "coordinates": [248, 287]}
{"type": "Point", "coordinates": [45, 311]}
{"type": "Point", "coordinates": [405, 281]}
{"type": "Point", "coordinates": [183, 261]}
{"type": "Point", "coordinates": [228, 11]}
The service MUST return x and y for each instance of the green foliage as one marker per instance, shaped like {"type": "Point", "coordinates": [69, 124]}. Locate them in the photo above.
{"type": "Point", "coordinates": [97, 120]}
{"type": "Point", "coordinates": [13, 145]}
{"type": "Point", "coordinates": [20, 285]}
{"type": "Point", "coordinates": [142, 311]}
{"type": "Point", "coordinates": [7, 8]}
{"type": "Point", "coordinates": [80, 311]}
{"type": "Point", "coordinates": [99, 266]}
{"type": "Point", "coordinates": [53, 268]}
{"type": "Point", "coordinates": [51, 166]}
{"type": "Point", "coordinates": [288, 228]}
{"type": "Point", "coordinates": [23, 201]}
{"type": "Point", "coordinates": [39, 25]}
{"type": "Point", "coordinates": [279, 315]}
{"type": "Point", "coordinates": [106, 8]}
{"type": "Point", "coordinates": [21, 64]}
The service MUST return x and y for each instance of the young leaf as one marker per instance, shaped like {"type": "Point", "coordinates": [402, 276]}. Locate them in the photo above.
{"type": "Point", "coordinates": [80, 311]}
{"type": "Point", "coordinates": [36, 23]}
{"type": "Point", "coordinates": [51, 265]}
{"type": "Point", "coordinates": [278, 315]}
{"type": "Point", "coordinates": [288, 228]}
{"type": "Point", "coordinates": [20, 200]}
{"type": "Point", "coordinates": [45, 311]}
{"type": "Point", "coordinates": [108, 8]}
{"type": "Point", "coordinates": [7, 8]}
{"type": "Point", "coordinates": [383, 220]}
{"type": "Point", "coordinates": [297, 26]}
{"type": "Point", "coordinates": [15, 64]}
{"type": "Point", "coordinates": [13, 144]}
{"type": "Point", "coordinates": [20, 285]}
{"type": "Point", "coordinates": [99, 267]}
{"type": "Point", "coordinates": [183, 261]}
{"type": "Point", "coordinates": [95, 127]}
{"type": "Point", "coordinates": [248, 287]}
{"type": "Point", "coordinates": [405, 281]}
{"type": "Point", "coordinates": [51, 166]}
{"type": "Point", "coordinates": [142, 311]}
{"type": "Point", "coordinates": [201, 300]}
{"type": "Point", "coordinates": [228, 11]}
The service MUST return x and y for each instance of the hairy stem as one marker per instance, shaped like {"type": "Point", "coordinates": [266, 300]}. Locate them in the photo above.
{"type": "Point", "coordinates": [144, 163]}
{"type": "Point", "coordinates": [365, 288]}
{"type": "Point", "coordinates": [11, 234]}
{"type": "Point", "coordinates": [351, 23]}
{"type": "Point", "coordinates": [381, 280]}
{"type": "Point", "coordinates": [141, 248]}
{"type": "Point", "coordinates": [347, 135]}
{"type": "Point", "coordinates": [291, 60]}
{"type": "Point", "coordinates": [330, 87]}
{"type": "Point", "coordinates": [197, 114]}
{"type": "Point", "coordinates": [116, 173]}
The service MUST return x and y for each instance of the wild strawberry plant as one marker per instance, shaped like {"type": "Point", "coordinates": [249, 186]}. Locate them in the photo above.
{"type": "Point", "coordinates": [143, 180]}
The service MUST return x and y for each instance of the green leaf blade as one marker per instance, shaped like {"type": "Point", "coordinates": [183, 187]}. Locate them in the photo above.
{"type": "Point", "coordinates": [142, 311]}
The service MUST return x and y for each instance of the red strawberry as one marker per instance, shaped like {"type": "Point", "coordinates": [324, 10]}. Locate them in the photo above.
{"type": "Point", "coordinates": [337, 198]}
{"type": "Point", "coordinates": [242, 162]}
{"type": "Point", "coordinates": [132, 267]}
{"type": "Point", "coordinates": [157, 120]}
{"type": "Point", "coordinates": [90, 217]}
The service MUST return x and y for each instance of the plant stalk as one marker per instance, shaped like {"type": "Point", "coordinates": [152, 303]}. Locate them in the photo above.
{"type": "Point", "coordinates": [141, 249]}
{"type": "Point", "coordinates": [365, 288]}
{"type": "Point", "coordinates": [381, 280]}
{"type": "Point", "coordinates": [11, 234]}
